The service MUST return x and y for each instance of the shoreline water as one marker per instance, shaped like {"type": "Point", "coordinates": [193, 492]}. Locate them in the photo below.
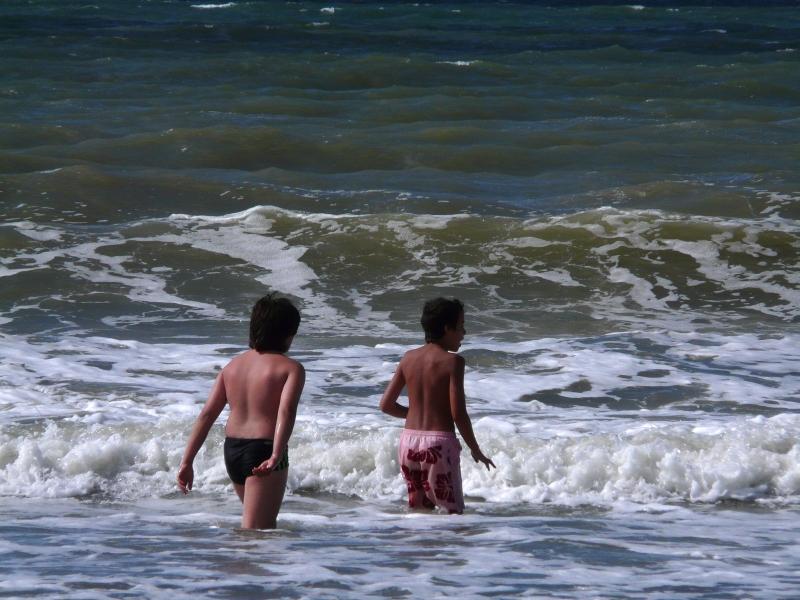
{"type": "Point", "coordinates": [610, 188]}
{"type": "Point", "coordinates": [325, 549]}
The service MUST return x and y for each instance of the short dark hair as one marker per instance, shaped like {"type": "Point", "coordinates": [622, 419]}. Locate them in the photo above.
{"type": "Point", "coordinates": [272, 321]}
{"type": "Point", "coordinates": [437, 313]}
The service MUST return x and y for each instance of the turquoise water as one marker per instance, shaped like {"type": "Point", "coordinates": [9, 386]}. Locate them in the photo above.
{"type": "Point", "coordinates": [612, 189]}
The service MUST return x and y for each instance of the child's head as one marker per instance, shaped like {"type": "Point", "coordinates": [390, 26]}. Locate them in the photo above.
{"type": "Point", "coordinates": [438, 313]}
{"type": "Point", "coordinates": [273, 322]}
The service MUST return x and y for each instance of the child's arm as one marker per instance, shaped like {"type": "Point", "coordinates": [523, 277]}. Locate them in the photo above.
{"type": "Point", "coordinates": [389, 403]}
{"type": "Point", "coordinates": [209, 413]}
{"type": "Point", "coordinates": [458, 409]}
{"type": "Point", "coordinates": [287, 412]}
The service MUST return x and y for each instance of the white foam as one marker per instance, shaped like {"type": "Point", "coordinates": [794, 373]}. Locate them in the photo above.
{"type": "Point", "coordinates": [5, 272]}
{"type": "Point", "coordinates": [88, 262]}
{"type": "Point", "coordinates": [436, 221]}
{"type": "Point", "coordinates": [559, 276]}
{"type": "Point", "coordinates": [775, 200]}
{"type": "Point", "coordinates": [528, 242]}
{"type": "Point", "coordinates": [213, 6]}
{"type": "Point", "coordinates": [282, 263]}
{"type": "Point", "coordinates": [246, 236]}
{"type": "Point", "coordinates": [640, 231]}
{"type": "Point", "coordinates": [139, 380]}
{"type": "Point", "coordinates": [136, 380]}
{"type": "Point", "coordinates": [750, 458]}
{"type": "Point", "coordinates": [35, 231]}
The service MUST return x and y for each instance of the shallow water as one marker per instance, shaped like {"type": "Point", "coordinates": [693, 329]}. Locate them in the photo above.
{"type": "Point", "coordinates": [336, 547]}
{"type": "Point", "coordinates": [611, 189]}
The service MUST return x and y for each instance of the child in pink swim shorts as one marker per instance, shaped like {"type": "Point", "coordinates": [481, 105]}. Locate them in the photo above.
{"type": "Point", "coordinates": [429, 452]}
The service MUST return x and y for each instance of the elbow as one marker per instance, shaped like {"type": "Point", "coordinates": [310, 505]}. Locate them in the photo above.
{"type": "Point", "coordinates": [389, 407]}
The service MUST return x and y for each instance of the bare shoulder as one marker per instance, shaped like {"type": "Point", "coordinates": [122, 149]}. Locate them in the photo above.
{"type": "Point", "coordinates": [288, 367]}
{"type": "Point", "coordinates": [451, 363]}
{"type": "Point", "coordinates": [414, 352]}
{"type": "Point", "coordinates": [281, 362]}
{"type": "Point", "coordinates": [295, 366]}
{"type": "Point", "coordinates": [456, 361]}
{"type": "Point", "coordinates": [234, 363]}
{"type": "Point", "coordinates": [410, 357]}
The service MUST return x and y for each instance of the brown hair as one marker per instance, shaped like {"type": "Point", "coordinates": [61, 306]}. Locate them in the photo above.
{"type": "Point", "coordinates": [272, 321]}
{"type": "Point", "coordinates": [438, 313]}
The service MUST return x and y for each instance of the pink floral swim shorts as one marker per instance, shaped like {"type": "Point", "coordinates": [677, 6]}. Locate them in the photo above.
{"type": "Point", "coordinates": [431, 464]}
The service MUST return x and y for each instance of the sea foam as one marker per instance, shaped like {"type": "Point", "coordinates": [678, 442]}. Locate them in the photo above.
{"type": "Point", "coordinates": [751, 458]}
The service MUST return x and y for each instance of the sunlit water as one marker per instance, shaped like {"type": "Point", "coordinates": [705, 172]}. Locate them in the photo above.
{"type": "Point", "coordinates": [611, 190]}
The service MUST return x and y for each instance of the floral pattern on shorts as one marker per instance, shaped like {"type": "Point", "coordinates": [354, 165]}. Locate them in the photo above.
{"type": "Point", "coordinates": [431, 466]}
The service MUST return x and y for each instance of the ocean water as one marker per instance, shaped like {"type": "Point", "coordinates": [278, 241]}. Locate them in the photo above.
{"type": "Point", "coordinates": [612, 189]}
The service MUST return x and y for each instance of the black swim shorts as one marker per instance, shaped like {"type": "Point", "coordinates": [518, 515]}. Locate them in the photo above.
{"type": "Point", "coordinates": [243, 455]}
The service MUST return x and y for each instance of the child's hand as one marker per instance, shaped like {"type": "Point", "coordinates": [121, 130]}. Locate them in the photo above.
{"type": "Point", "coordinates": [185, 478]}
{"type": "Point", "coordinates": [478, 456]}
{"type": "Point", "coordinates": [267, 466]}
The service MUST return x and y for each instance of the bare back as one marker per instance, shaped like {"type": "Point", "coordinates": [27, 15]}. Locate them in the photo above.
{"type": "Point", "coordinates": [430, 374]}
{"type": "Point", "coordinates": [254, 384]}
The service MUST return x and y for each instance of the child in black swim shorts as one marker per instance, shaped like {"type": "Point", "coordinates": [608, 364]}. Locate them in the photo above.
{"type": "Point", "coordinates": [262, 387]}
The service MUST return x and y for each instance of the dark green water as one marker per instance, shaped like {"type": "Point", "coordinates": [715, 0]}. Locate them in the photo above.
{"type": "Point", "coordinates": [612, 189]}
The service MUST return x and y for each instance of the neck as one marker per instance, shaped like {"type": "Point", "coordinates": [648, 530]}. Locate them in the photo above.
{"type": "Point", "coordinates": [437, 343]}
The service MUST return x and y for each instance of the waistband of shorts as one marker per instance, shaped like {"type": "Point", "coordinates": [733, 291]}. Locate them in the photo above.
{"type": "Point", "coordinates": [235, 439]}
{"type": "Point", "coordinates": [448, 435]}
